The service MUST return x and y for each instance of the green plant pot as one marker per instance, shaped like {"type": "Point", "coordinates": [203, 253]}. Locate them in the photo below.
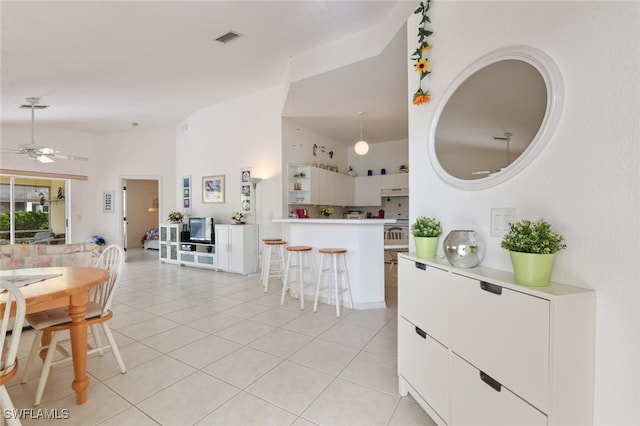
{"type": "Point", "coordinates": [426, 246]}
{"type": "Point", "coordinates": [532, 269]}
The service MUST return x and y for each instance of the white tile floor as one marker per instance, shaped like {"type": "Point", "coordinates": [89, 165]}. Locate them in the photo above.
{"type": "Point", "coordinates": [211, 348]}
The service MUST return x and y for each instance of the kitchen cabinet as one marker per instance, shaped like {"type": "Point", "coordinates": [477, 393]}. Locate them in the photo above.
{"type": "Point", "coordinates": [236, 248]}
{"type": "Point", "coordinates": [366, 191]}
{"type": "Point", "coordinates": [394, 181]}
{"type": "Point", "coordinates": [169, 242]}
{"type": "Point", "coordinates": [313, 185]}
{"type": "Point", "coordinates": [476, 348]}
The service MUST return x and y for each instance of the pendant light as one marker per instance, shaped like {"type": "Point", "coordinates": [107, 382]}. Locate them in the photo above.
{"type": "Point", "coordinates": [361, 147]}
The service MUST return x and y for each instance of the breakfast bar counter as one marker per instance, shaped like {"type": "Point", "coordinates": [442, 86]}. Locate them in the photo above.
{"type": "Point", "coordinates": [364, 241]}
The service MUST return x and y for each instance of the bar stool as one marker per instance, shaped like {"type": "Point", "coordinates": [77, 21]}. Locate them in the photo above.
{"type": "Point", "coordinates": [264, 253]}
{"type": "Point", "coordinates": [272, 260]}
{"type": "Point", "coordinates": [299, 253]}
{"type": "Point", "coordinates": [330, 268]}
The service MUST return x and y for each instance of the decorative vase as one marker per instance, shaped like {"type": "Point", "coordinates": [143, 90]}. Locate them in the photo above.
{"type": "Point", "coordinates": [463, 248]}
{"type": "Point", "coordinates": [531, 268]}
{"type": "Point", "coordinates": [426, 246]}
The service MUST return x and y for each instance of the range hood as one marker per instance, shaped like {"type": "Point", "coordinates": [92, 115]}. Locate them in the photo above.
{"type": "Point", "coordinates": [394, 192]}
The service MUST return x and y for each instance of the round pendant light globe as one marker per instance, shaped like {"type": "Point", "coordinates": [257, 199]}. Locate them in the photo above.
{"type": "Point", "coordinates": [361, 147]}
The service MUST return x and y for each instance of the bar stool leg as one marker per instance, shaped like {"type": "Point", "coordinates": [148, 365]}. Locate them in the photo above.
{"type": "Point", "coordinates": [286, 278]}
{"type": "Point", "coordinates": [346, 275]}
{"type": "Point", "coordinates": [319, 282]}
{"type": "Point", "coordinates": [266, 266]}
{"type": "Point", "coordinates": [334, 261]}
{"type": "Point", "coordinates": [301, 280]}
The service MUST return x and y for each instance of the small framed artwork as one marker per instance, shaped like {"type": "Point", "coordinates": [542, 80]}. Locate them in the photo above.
{"type": "Point", "coordinates": [107, 201]}
{"type": "Point", "coordinates": [186, 194]}
{"type": "Point", "coordinates": [245, 190]}
{"type": "Point", "coordinates": [213, 189]}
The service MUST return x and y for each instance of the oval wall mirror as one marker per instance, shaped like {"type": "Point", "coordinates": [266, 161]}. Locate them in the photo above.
{"type": "Point", "coordinates": [495, 118]}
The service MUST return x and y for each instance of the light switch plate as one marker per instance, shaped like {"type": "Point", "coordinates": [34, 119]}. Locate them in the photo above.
{"type": "Point", "coordinates": [500, 219]}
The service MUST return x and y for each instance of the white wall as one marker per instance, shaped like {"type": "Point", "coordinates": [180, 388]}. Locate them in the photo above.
{"type": "Point", "coordinates": [586, 182]}
{"type": "Point", "coordinates": [385, 155]}
{"type": "Point", "coordinates": [222, 140]}
{"type": "Point", "coordinates": [138, 153]}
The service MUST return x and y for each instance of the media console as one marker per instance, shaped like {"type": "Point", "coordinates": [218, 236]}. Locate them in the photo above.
{"type": "Point", "coordinates": [234, 249]}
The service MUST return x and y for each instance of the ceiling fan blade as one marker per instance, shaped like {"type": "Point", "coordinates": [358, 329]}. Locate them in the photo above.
{"type": "Point", "coordinates": [58, 154]}
{"type": "Point", "coordinates": [44, 159]}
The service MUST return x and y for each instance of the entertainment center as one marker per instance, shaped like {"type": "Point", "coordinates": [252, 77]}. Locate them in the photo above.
{"type": "Point", "coordinates": [229, 248]}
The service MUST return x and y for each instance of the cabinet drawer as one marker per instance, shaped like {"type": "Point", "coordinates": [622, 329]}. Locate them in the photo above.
{"type": "Point", "coordinates": [478, 400]}
{"type": "Point", "coordinates": [424, 363]}
{"type": "Point", "coordinates": [505, 333]}
{"type": "Point", "coordinates": [423, 298]}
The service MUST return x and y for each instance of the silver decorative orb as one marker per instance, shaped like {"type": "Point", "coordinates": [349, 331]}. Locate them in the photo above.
{"type": "Point", "coordinates": [464, 248]}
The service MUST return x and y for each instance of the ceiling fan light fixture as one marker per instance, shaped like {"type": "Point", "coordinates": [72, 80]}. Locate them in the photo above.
{"type": "Point", "coordinates": [361, 147]}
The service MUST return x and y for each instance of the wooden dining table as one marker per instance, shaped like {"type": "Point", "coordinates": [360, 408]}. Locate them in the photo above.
{"type": "Point", "coordinates": [57, 287]}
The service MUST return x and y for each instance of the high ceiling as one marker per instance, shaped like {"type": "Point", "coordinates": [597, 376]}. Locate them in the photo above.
{"type": "Point", "coordinates": [102, 66]}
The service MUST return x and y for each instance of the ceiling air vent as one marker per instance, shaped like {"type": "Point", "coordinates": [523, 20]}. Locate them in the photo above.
{"type": "Point", "coordinates": [225, 38]}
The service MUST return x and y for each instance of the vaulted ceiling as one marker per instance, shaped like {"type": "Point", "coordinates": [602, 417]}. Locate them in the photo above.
{"type": "Point", "coordinates": [102, 66]}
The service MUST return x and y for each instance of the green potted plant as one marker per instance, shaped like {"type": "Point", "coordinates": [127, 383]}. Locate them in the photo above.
{"type": "Point", "coordinates": [532, 247]}
{"type": "Point", "coordinates": [426, 233]}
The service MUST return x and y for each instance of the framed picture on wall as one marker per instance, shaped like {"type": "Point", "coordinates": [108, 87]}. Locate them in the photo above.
{"type": "Point", "coordinates": [213, 189]}
{"type": "Point", "coordinates": [245, 190]}
{"type": "Point", "coordinates": [186, 194]}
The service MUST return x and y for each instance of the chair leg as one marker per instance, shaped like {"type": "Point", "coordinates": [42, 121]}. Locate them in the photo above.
{"type": "Point", "coordinates": [96, 338]}
{"type": "Point", "coordinates": [8, 410]}
{"type": "Point", "coordinates": [35, 348]}
{"type": "Point", "coordinates": [46, 367]}
{"type": "Point", "coordinates": [114, 347]}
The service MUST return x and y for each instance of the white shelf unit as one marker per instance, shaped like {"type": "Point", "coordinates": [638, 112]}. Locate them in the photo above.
{"type": "Point", "coordinates": [169, 242]}
{"type": "Point", "coordinates": [204, 255]}
{"type": "Point", "coordinates": [476, 348]}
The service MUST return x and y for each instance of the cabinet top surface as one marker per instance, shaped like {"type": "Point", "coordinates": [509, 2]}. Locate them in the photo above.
{"type": "Point", "coordinates": [502, 278]}
{"type": "Point", "coordinates": [336, 221]}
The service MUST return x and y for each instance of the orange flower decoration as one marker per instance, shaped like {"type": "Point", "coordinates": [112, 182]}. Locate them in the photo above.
{"type": "Point", "coordinates": [422, 66]}
{"type": "Point", "coordinates": [421, 97]}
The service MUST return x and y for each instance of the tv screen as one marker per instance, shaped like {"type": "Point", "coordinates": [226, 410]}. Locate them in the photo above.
{"type": "Point", "coordinates": [201, 230]}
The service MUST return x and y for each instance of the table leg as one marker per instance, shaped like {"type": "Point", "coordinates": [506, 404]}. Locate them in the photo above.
{"type": "Point", "coordinates": [78, 333]}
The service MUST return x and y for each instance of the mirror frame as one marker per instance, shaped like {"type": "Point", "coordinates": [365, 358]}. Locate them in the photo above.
{"type": "Point", "coordinates": [555, 101]}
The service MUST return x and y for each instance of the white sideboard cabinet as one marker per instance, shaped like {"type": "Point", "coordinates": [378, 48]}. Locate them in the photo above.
{"type": "Point", "coordinates": [476, 348]}
{"type": "Point", "coordinates": [236, 248]}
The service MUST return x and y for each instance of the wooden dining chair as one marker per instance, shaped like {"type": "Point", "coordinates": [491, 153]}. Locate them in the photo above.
{"type": "Point", "coordinates": [58, 320]}
{"type": "Point", "coordinates": [9, 341]}
{"type": "Point", "coordinates": [392, 236]}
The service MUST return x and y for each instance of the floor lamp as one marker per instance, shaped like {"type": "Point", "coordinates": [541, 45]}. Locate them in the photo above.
{"type": "Point", "coordinates": [254, 182]}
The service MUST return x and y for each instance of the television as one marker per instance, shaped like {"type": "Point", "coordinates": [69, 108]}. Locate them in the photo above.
{"type": "Point", "coordinates": [201, 230]}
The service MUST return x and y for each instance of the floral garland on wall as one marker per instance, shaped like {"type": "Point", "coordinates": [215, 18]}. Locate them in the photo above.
{"type": "Point", "coordinates": [420, 55]}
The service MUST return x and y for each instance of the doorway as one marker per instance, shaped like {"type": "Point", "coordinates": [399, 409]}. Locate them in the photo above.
{"type": "Point", "coordinates": [140, 209]}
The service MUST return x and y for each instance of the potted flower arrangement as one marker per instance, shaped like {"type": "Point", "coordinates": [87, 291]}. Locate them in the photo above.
{"type": "Point", "coordinates": [326, 211]}
{"type": "Point", "coordinates": [175, 217]}
{"type": "Point", "coordinates": [532, 247]}
{"type": "Point", "coordinates": [237, 218]}
{"type": "Point", "coordinates": [426, 233]}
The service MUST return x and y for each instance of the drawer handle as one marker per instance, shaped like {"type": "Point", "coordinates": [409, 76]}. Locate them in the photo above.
{"type": "Point", "coordinates": [421, 332]}
{"type": "Point", "coordinates": [491, 288]}
{"type": "Point", "coordinates": [490, 381]}
{"type": "Point", "coordinates": [422, 266]}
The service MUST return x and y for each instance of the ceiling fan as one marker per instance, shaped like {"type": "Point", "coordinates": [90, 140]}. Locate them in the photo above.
{"type": "Point", "coordinates": [507, 137]}
{"type": "Point", "coordinates": [42, 154]}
